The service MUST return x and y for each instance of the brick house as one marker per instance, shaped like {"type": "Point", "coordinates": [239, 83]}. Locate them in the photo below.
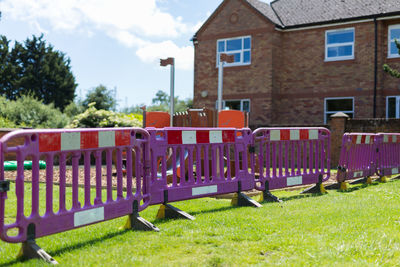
{"type": "Point", "coordinates": [300, 61]}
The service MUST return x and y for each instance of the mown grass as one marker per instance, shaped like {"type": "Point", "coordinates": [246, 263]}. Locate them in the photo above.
{"type": "Point", "coordinates": [360, 227]}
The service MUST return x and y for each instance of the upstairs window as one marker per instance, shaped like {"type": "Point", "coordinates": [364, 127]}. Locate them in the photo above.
{"type": "Point", "coordinates": [239, 47]}
{"type": "Point", "coordinates": [339, 44]}
{"type": "Point", "coordinates": [394, 33]}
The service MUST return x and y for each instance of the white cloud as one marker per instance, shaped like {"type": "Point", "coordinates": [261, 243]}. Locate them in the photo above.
{"type": "Point", "coordinates": [139, 24]}
{"type": "Point", "coordinates": [151, 53]}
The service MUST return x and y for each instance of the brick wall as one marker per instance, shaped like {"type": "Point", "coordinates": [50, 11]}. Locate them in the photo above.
{"type": "Point", "coordinates": [253, 81]}
{"type": "Point", "coordinates": [288, 78]}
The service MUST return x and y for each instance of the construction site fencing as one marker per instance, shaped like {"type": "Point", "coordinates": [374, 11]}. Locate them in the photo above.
{"type": "Point", "coordinates": [286, 157]}
{"type": "Point", "coordinates": [190, 163]}
{"type": "Point", "coordinates": [41, 212]}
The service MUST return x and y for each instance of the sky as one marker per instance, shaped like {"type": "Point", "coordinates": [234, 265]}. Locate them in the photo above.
{"type": "Point", "coordinates": [117, 43]}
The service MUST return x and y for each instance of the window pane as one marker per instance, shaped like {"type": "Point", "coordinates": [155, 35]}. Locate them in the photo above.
{"type": "Point", "coordinates": [340, 51]}
{"type": "Point", "coordinates": [246, 56]}
{"type": "Point", "coordinates": [221, 46]}
{"type": "Point", "coordinates": [246, 105]}
{"type": "Point", "coordinates": [235, 44]}
{"type": "Point", "coordinates": [391, 107]}
{"type": "Point", "coordinates": [395, 33]}
{"type": "Point", "coordinates": [333, 52]}
{"type": "Point", "coordinates": [393, 49]}
{"type": "Point", "coordinates": [232, 104]}
{"type": "Point", "coordinates": [237, 57]}
{"type": "Point", "coordinates": [339, 105]}
{"type": "Point", "coordinates": [340, 37]}
{"type": "Point", "coordinates": [345, 50]}
{"type": "Point", "coordinates": [246, 43]}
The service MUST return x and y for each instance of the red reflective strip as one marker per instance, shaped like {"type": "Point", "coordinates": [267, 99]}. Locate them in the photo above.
{"type": "Point", "coordinates": [89, 140]}
{"type": "Point", "coordinates": [123, 138]}
{"type": "Point", "coordinates": [49, 142]}
{"type": "Point", "coordinates": [363, 139]}
{"type": "Point", "coordinates": [304, 135]}
{"type": "Point", "coordinates": [228, 136]}
{"type": "Point", "coordinates": [174, 137]}
{"type": "Point", "coordinates": [285, 134]}
{"type": "Point", "coordinates": [203, 137]}
{"type": "Point", "coordinates": [354, 139]}
{"type": "Point", "coordinates": [390, 139]}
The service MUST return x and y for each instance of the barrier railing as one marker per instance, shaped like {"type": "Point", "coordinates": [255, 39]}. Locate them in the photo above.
{"type": "Point", "coordinates": [62, 151]}
{"type": "Point", "coordinates": [163, 166]}
{"type": "Point", "coordinates": [357, 157]}
{"type": "Point", "coordinates": [190, 163]}
{"type": "Point", "coordinates": [388, 154]}
{"type": "Point", "coordinates": [288, 157]}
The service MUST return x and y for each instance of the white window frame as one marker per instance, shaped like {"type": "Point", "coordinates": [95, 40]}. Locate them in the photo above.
{"type": "Point", "coordinates": [241, 63]}
{"type": "Point", "coordinates": [396, 26]}
{"type": "Point", "coordinates": [333, 112]}
{"type": "Point", "coordinates": [397, 97]}
{"type": "Point", "coordinates": [340, 44]}
{"type": "Point", "coordinates": [241, 103]}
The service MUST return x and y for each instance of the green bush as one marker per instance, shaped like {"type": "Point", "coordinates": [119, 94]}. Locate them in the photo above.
{"type": "Point", "coordinates": [94, 118]}
{"type": "Point", "coordinates": [27, 111]}
{"type": "Point", "coordinates": [5, 123]}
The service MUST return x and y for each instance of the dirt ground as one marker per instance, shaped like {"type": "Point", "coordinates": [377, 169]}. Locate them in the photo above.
{"type": "Point", "coordinates": [11, 175]}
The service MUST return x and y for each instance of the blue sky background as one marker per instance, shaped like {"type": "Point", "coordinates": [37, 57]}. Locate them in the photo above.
{"type": "Point", "coordinates": [117, 43]}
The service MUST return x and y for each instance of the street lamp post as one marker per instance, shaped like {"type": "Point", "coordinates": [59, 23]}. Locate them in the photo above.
{"type": "Point", "coordinates": [224, 58]}
{"type": "Point", "coordinates": [164, 63]}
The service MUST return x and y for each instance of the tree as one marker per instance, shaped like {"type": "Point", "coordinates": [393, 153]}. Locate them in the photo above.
{"type": "Point", "coordinates": [36, 68]}
{"type": "Point", "coordinates": [103, 97]}
{"type": "Point", "coordinates": [161, 98]}
{"type": "Point", "coordinates": [386, 68]}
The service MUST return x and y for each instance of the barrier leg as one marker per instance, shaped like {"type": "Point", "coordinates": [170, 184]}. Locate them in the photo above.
{"type": "Point", "coordinates": [317, 188]}
{"type": "Point", "coordinates": [383, 179]}
{"type": "Point", "coordinates": [267, 196]}
{"type": "Point", "coordinates": [167, 211]}
{"type": "Point", "coordinates": [30, 250]}
{"type": "Point", "coordinates": [241, 200]}
{"type": "Point", "coordinates": [136, 222]}
{"type": "Point", "coordinates": [364, 180]}
{"type": "Point", "coordinates": [344, 186]}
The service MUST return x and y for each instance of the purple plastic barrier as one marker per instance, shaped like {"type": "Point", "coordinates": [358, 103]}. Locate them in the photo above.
{"type": "Point", "coordinates": [288, 157]}
{"type": "Point", "coordinates": [388, 162]}
{"type": "Point", "coordinates": [357, 156]}
{"type": "Point", "coordinates": [191, 163]}
{"type": "Point", "coordinates": [71, 145]}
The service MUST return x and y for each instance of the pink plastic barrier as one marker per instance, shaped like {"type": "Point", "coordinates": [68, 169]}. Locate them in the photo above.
{"type": "Point", "coordinates": [62, 150]}
{"type": "Point", "coordinates": [197, 162]}
{"type": "Point", "coordinates": [288, 157]}
{"type": "Point", "coordinates": [358, 156]}
{"type": "Point", "coordinates": [388, 162]}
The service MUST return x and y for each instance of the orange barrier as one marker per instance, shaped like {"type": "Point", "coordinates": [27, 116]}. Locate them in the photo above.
{"type": "Point", "coordinates": [231, 119]}
{"type": "Point", "coordinates": [157, 119]}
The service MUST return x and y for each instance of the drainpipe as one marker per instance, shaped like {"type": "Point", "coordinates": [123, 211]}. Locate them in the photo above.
{"type": "Point", "coordinates": [375, 65]}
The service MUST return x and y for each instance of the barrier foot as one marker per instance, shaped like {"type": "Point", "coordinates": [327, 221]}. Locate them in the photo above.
{"type": "Point", "coordinates": [167, 211]}
{"type": "Point", "coordinates": [267, 196]}
{"type": "Point", "coordinates": [30, 250]}
{"type": "Point", "coordinates": [241, 200]}
{"type": "Point", "coordinates": [318, 188]}
{"type": "Point", "coordinates": [344, 186]}
{"type": "Point", "coordinates": [135, 222]}
{"type": "Point", "coordinates": [383, 179]}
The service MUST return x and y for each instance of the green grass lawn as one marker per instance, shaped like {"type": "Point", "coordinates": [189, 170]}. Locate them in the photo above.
{"type": "Point", "coordinates": [360, 227]}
